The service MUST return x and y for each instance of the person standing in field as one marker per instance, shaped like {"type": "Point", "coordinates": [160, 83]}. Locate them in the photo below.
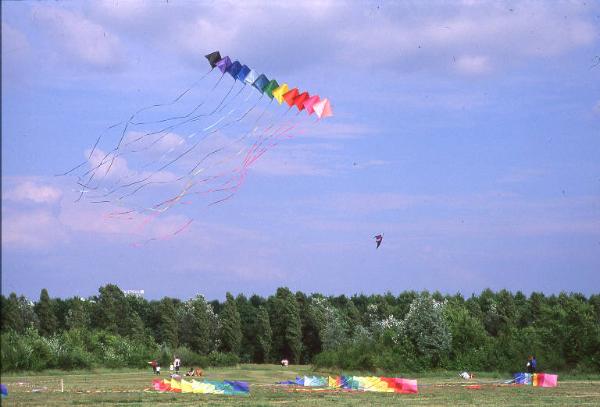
{"type": "Point", "coordinates": [177, 364]}
{"type": "Point", "coordinates": [531, 363]}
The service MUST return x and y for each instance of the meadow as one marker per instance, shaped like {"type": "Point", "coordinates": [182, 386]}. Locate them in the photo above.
{"type": "Point", "coordinates": [131, 387]}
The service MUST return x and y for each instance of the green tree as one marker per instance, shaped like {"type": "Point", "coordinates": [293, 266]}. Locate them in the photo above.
{"type": "Point", "coordinates": [467, 332]}
{"type": "Point", "coordinates": [167, 323]}
{"type": "Point", "coordinates": [45, 313]}
{"type": "Point", "coordinates": [28, 315]}
{"type": "Point", "coordinates": [61, 310]}
{"type": "Point", "coordinates": [506, 310]}
{"type": "Point", "coordinates": [248, 315]}
{"type": "Point", "coordinates": [311, 342]}
{"type": "Point", "coordinates": [78, 316]}
{"type": "Point", "coordinates": [264, 334]}
{"type": "Point", "coordinates": [404, 300]}
{"type": "Point", "coordinates": [231, 327]}
{"type": "Point", "coordinates": [199, 326]}
{"type": "Point", "coordinates": [11, 315]}
{"type": "Point", "coordinates": [286, 325]}
{"type": "Point", "coordinates": [113, 312]}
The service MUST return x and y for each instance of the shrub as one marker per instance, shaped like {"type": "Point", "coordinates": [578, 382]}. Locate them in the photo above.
{"type": "Point", "coordinates": [223, 359]}
{"type": "Point", "coordinates": [189, 358]}
{"type": "Point", "coordinates": [27, 351]}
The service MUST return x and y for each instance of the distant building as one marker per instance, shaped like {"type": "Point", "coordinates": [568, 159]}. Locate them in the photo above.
{"type": "Point", "coordinates": [134, 293]}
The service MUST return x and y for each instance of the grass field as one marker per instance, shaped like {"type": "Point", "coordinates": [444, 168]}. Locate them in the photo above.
{"type": "Point", "coordinates": [113, 387]}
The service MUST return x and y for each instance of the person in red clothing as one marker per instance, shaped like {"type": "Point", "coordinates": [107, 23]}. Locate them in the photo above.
{"type": "Point", "coordinates": [154, 364]}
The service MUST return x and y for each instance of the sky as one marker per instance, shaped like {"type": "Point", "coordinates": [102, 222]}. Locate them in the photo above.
{"type": "Point", "coordinates": [466, 132]}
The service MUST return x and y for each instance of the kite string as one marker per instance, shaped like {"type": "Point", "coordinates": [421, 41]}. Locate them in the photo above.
{"type": "Point", "coordinates": [148, 177]}
{"type": "Point", "coordinates": [115, 152]}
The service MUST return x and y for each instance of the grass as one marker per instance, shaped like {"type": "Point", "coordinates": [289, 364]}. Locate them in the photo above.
{"type": "Point", "coordinates": [126, 387]}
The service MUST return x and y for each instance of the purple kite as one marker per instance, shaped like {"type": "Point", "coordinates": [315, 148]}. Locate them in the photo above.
{"type": "Point", "coordinates": [378, 240]}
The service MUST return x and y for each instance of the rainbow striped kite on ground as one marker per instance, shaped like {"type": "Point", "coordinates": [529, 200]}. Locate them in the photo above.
{"type": "Point", "coordinates": [358, 383]}
{"type": "Point", "coordinates": [536, 379]}
{"type": "Point", "coordinates": [177, 385]}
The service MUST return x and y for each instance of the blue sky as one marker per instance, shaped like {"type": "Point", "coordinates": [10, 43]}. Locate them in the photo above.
{"type": "Point", "coordinates": [467, 132]}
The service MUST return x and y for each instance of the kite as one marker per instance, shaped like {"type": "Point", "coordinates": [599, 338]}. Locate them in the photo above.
{"type": "Point", "coordinates": [536, 379]}
{"type": "Point", "coordinates": [179, 385]}
{"type": "Point", "coordinates": [357, 383]}
{"type": "Point", "coordinates": [378, 240]}
{"type": "Point", "coordinates": [167, 160]}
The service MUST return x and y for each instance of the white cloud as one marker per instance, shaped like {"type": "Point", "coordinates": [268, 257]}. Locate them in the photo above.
{"type": "Point", "coordinates": [341, 130]}
{"type": "Point", "coordinates": [127, 9]}
{"type": "Point", "coordinates": [107, 165]}
{"type": "Point", "coordinates": [30, 191]}
{"type": "Point", "coordinates": [521, 175]}
{"type": "Point", "coordinates": [396, 36]}
{"type": "Point", "coordinates": [487, 34]}
{"type": "Point", "coordinates": [369, 164]}
{"type": "Point", "coordinates": [473, 64]}
{"type": "Point", "coordinates": [82, 38]}
{"type": "Point", "coordinates": [276, 165]}
{"type": "Point", "coordinates": [31, 229]}
{"type": "Point", "coordinates": [189, 34]}
{"type": "Point", "coordinates": [16, 51]}
{"type": "Point", "coordinates": [13, 41]}
{"type": "Point", "coordinates": [157, 143]}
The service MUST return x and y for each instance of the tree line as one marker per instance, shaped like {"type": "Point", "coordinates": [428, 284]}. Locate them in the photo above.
{"type": "Point", "coordinates": [408, 332]}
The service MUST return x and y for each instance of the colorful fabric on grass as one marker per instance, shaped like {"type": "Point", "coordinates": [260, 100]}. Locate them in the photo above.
{"type": "Point", "coordinates": [536, 379]}
{"type": "Point", "coordinates": [359, 383]}
{"type": "Point", "coordinates": [204, 387]}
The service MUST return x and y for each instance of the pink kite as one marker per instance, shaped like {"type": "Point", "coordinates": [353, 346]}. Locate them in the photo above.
{"type": "Point", "coordinates": [309, 103]}
{"type": "Point", "coordinates": [323, 109]}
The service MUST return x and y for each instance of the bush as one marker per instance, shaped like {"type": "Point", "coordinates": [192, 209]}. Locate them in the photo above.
{"type": "Point", "coordinates": [27, 351]}
{"type": "Point", "coordinates": [73, 349]}
{"type": "Point", "coordinates": [352, 357]}
{"type": "Point", "coordinates": [189, 358]}
{"type": "Point", "coordinates": [223, 359]}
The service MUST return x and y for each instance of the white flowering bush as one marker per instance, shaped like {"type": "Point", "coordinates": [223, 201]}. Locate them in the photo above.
{"type": "Point", "coordinates": [332, 327]}
{"type": "Point", "coordinates": [427, 328]}
{"type": "Point", "coordinates": [199, 325]}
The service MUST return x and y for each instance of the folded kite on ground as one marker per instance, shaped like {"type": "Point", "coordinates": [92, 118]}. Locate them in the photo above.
{"type": "Point", "coordinates": [360, 383]}
{"type": "Point", "coordinates": [536, 379]}
{"type": "Point", "coordinates": [204, 387]}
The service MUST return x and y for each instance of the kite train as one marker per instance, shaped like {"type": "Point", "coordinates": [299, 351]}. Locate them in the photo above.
{"type": "Point", "coordinates": [197, 147]}
{"type": "Point", "coordinates": [536, 379]}
{"type": "Point", "coordinates": [358, 383]}
{"type": "Point", "coordinates": [205, 387]}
